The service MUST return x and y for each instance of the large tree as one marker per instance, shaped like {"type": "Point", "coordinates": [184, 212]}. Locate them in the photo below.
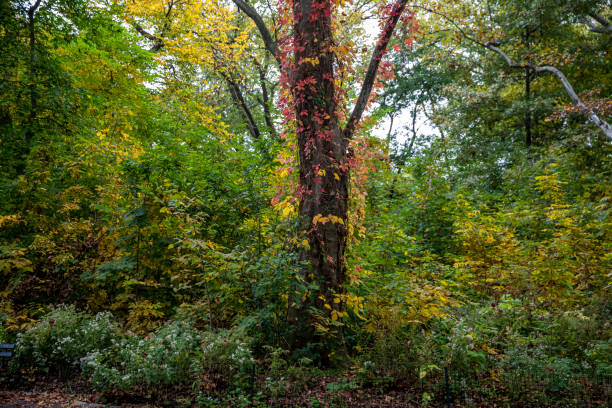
{"type": "Point", "coordinates": [323, 147]}
{"type": "Point", "coordinates": [307, 61]}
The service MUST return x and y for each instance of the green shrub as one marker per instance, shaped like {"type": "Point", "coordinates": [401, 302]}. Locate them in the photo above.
{"type": "Point", "coordinates": [283, 375]}
{"type": "Point", "coordinates": [461, 350]}
{"type": "Point", "coordinates": [227, 355]}
{"type": "Point", "coordinates": [391, 349]}
{"type": "Point", "coordinates": [227, 359]}
{"type": "Point", "coordinates": [571, 332]}
{"type": "Point", "coordinates": [172, 355]}
{"type": "Point", "coordinates": [62, 337]}
{"type": "Point", "coordinates": [165, 357]}
{"type": "Point", "coordinates": [228, 351]}
{"type": "Point", "coordinates": [337, 390]}
{"type": "Point", "coordinates": [599, 358]}
{"type": "Point", "coordinates": [3, 334]}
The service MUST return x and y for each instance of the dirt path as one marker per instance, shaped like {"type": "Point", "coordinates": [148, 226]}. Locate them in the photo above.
{"type": "Point", "coordinates": [54, 399]}
{"type": "Point", "coordinates": [32, 399]}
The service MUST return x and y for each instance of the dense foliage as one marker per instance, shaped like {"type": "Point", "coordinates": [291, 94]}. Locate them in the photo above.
{"type": "Point", "coordinates": [150, 236]}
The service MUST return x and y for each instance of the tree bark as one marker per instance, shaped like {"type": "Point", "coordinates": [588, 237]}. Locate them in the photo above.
{"type": "Point", "coordinates": [324, 173]}
{"type": "Point", "coordinates": [527, 107]}
{"type": "Point", "coordinates": [266, 36]}
{"type": "Point", "coordinates": [324, 168]}
{"type": "Point", "coordinates": [238, 98]}
{"type": "Point", "coordinates": [265, 101]}
{"type": "Point", "coordinates": [370, 76]}
{"type": "Point", "coordinates": [604, 26]}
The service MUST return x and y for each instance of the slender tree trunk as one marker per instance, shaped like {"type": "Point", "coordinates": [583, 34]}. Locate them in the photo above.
{"type": "Point", "coordinates": [527, 96]}
{"type": "Point", "coordinates": [527, 109]}
{"type": "Point", "coordinates": [32, 73]}
{"type": "Point", "coordinates": [324, 174]}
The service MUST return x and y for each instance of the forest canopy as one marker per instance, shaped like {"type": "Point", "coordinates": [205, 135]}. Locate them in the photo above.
{"type": "Point", "coordinates": [384, 188]}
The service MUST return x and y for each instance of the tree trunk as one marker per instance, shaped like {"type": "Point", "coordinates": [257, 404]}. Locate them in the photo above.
{"type": "Point", "coordinates": [527, 96]}
{"type": "Point", "coordinates": [527, 107]}
{"type": "Point", "coordinates": [32, 73]}
{"type": "Point", "coordinates": [324, 173]}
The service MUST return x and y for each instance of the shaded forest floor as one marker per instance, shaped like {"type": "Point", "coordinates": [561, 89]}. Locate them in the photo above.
{"type": "Point", "coordinates": [76, 393]}
{"type": "Point", "coordinates": [53, 393]}
{"type": "Point", "coordinates": [73, 393]}
{"type": "Point", "coordinates": [49, 393]}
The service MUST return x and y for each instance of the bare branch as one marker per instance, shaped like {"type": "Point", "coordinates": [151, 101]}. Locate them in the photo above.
{"type": "Point", "coordinates": [34, 7]}
{"type": "Point", "coordinates": [268, 40]}
{"type": "Point", "coordinates": [158, 42]}
{"type": "Point", "coordinates": [265, 103]}
{"type": "Point", "coordinates": [509, 61]}
{"type": "Point", "coordinates": [602, 124]}
{"type": "Point", "coordinates": [600, 19]}
{"type": "Point", "coordinates": [239, 100]}
{"type": "Point", "coordinates": [368, 81]}
{"type": "Point", "coordinates": [604, 28]}
{"type": "Point", "coordinates": [493, 46]}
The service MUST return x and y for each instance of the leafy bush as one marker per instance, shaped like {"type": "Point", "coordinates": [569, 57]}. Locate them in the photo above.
{"type": "Point", "coordinates": [165, 357]}
{"type": "Point", "coordinates": [3, 334]}
{"type": "Point", "coordinates": [227, 351]}
{"type": "Point", "coordinates": [62, 337]}
{"type": "Point", "coordinates": [227, 360]}
{"type": "Point", "coordinates": [172, 355]}
{"type": "Point", "coordinates": [392, 350]}
{"type": "Point", "coordinates": [283, 375]}
{"type": "Point", "coordinates": [599, 358]}
{"type": "Point", "coordinates": [571, 332]}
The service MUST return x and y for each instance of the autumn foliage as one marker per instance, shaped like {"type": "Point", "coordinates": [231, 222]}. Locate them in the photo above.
{"type": "Point", "coordinates": [223, 200]}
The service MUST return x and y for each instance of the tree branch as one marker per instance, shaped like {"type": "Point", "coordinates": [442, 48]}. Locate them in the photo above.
{"type": "Point", "coordinates": [494, 46]}
{"type": "Point", "coordinates": [34, 7]}
{"type": "Point", "coordinates": [239, 100]}
{"type": "Point", "coordinates": [604, 28]}
{"type": "Point", "coordinates": [600, 19]}
{"type": "Point", "coordinates": [158, 41]}
{"type": "Point", "coordinates": [368, 81]}
{"type": "Point", "coordinates": [266, 97]}
{"type": "Point", "coordinates": [146, 34]}
{"type": "Point", "coordinates": [28, 135]}
{"type": "Point", "coordinates": [269, 42]}
{"type": "Point", "coordinates": [602, 124]}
